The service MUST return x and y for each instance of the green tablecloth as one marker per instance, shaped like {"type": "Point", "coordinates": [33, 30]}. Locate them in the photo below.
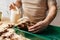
{"type": "Point", "coordinates": [50, 33]}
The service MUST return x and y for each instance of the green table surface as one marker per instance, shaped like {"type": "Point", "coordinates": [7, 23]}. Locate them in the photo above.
{"type": "Point", "coordinates": [50, 33]}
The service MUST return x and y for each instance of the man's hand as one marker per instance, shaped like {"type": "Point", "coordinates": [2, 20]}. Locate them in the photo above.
{"type": "Point", "coordinates": [12, 6]}
{"type": "Point", "coordinates": [38, 27]}
{"type": "Point", "coordinates": [23, 23]}
{"type": "Point", "coordinates": [52, 6]}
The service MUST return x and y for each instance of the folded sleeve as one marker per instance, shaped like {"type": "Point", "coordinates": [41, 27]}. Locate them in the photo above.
{"type": "Point", "coordinates": [52, 2]}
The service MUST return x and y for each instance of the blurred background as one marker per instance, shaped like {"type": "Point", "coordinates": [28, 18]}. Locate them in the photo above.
{"type": "Point", "coordinates": [6, 13]}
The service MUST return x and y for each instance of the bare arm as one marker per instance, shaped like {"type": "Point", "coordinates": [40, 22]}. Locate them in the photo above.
{"type": "Point", "coordinates": [52, 5]}
{"type": "Point", "coordinates": [52, 11]}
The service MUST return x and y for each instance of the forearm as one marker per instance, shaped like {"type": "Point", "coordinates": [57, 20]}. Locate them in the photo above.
{"type": "Point", "coordinates": [51, 14]}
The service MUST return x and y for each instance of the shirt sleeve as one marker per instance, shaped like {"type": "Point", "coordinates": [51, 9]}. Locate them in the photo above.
{"type": "Point", "coordinates": [52, 2]}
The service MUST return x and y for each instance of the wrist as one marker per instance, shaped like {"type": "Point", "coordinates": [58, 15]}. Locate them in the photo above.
{"type": "Point", "coordinates": [46, 23]}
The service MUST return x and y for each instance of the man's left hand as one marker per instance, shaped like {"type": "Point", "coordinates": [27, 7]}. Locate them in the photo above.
{"type": "Point", "coordinates": [38, 27]}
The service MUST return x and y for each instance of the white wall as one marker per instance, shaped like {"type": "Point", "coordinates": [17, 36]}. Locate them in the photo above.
{"type": "Point", "coordinates": [4, 7]}
{"type": "Point", "coordinates": [56, 21]}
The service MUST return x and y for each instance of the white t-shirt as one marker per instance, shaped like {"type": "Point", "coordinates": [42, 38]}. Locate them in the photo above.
{"type": "Point", "coordinates": [35, 10]}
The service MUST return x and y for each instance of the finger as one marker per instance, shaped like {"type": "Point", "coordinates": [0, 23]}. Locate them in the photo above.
{"type": "Point", "coordinates": [11, 24]}
{"type": "Point", "coordinates": [34, 26]}
{"type": "Point", "coordinates": [38, 30]}
{"type": "Point", "coordinates": [34, 29]}
{"type": "Point", "coordinates": [20, 25]}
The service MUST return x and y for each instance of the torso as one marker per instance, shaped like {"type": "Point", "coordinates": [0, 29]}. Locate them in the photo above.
{"type": "Point", "coordinates": [35, 9]}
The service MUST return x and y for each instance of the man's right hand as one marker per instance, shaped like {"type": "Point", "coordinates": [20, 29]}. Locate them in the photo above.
{"type": "Point", "coordinates": [12, 6]}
